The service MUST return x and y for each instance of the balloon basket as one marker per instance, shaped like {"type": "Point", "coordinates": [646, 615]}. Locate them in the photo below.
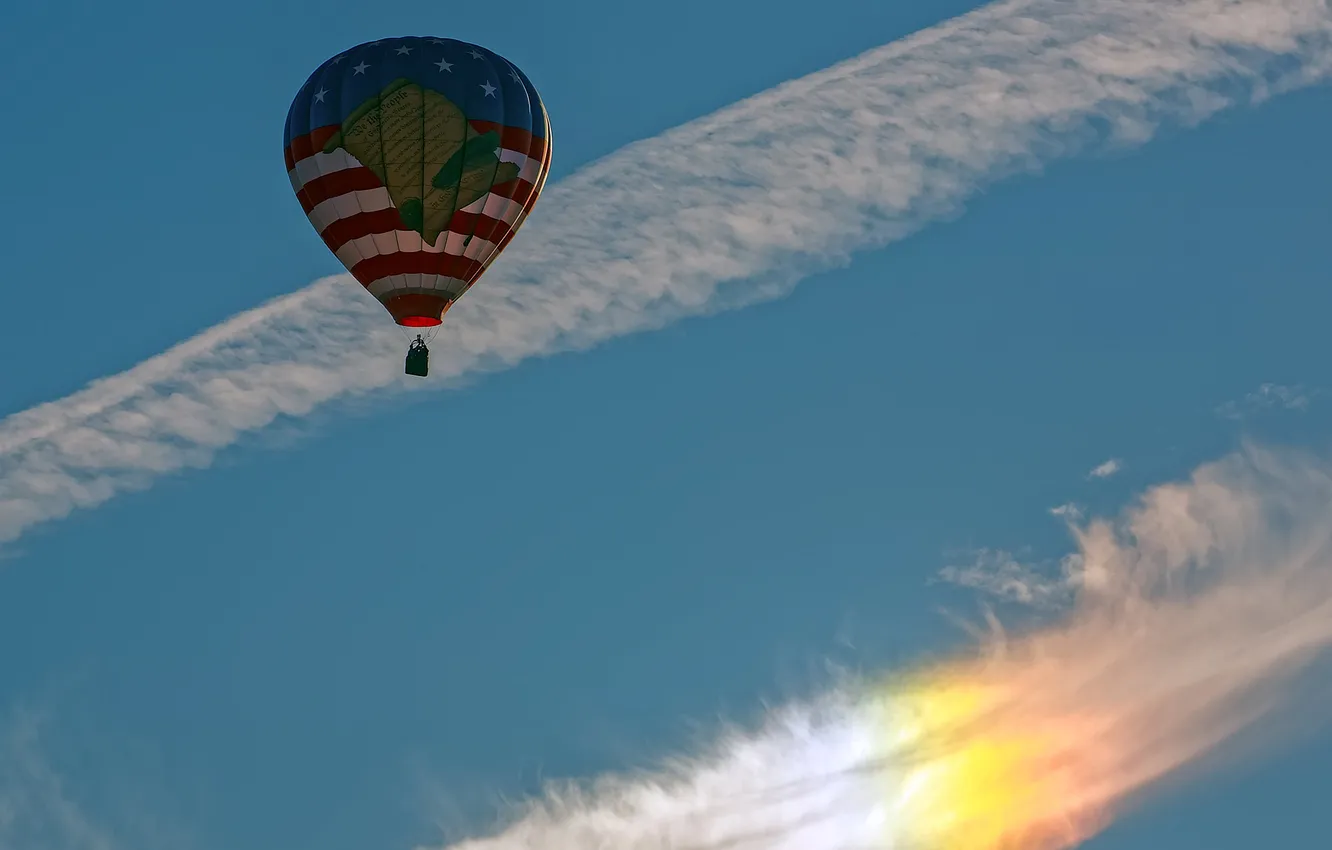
{"type": "Point", "coordinates": [418, 362]}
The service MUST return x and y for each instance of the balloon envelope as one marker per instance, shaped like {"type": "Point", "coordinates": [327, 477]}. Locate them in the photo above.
{"type": "Point", "coordinates": [417, 159]}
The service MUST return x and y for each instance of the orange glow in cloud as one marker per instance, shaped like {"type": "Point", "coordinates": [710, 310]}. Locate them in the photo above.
{"type": "Point", "coordinates": [984, 783]}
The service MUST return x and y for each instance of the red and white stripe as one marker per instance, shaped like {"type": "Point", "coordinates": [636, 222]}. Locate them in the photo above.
{"type": "Point", "coordinates": [417, 281]}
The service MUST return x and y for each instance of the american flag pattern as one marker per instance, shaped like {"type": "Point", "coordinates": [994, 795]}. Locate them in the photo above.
{"type": "Point", "coordinates": [417, 159]}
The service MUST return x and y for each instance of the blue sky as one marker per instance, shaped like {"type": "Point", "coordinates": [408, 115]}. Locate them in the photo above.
{"type": "Point", "coordinates": [323, 641]}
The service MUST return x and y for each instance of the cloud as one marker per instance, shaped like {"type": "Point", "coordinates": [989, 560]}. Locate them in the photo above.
{"type": "Point", "coordinates": [1198, 615]}
{"type": "Point", "coordinates": [64, 786]}
{"type": "Point", "coordinates": [1068, 510]}
{"type": "Point", "coordinates": [1107, 469]}
{"type": "Point", "coordinates": [1267, 397]}
{"type": "Point", "coordinates": [1000, 574]}
{"type": "Point", "coordinates": [728, 210]}
{"type": "Point", "coordinates": [36, 809]}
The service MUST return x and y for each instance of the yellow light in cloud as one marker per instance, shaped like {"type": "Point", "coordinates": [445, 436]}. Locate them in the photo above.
{"type": "Point", "coordinates": [975, 779]}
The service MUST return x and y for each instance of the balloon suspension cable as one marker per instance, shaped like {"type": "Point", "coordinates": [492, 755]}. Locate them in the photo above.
{"type": "Point", "coordinates": [409, 335]}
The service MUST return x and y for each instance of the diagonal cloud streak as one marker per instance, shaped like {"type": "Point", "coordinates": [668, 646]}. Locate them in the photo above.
{"type": "Point", "coordinates": [728, 210]}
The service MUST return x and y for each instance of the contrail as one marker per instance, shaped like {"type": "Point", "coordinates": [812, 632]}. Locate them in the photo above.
{"type": "Point", "coordinates": [1193, 619]}
{"type": "Point", "coordinates": [725, 211]}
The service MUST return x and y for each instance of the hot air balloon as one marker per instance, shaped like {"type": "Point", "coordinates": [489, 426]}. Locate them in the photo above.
{"type": "Point", "coordinates": [417, 159]}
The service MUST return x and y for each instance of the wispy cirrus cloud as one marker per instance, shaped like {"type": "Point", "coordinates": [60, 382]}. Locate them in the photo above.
{"type": "Point", "coordinates": [1004, 576]}
{"type": "Point", "coordinates": [729, 210]}
{"type": "Point", "coordinates": [64, 789]}
{"type": "Point", "coordinates": [36, 807]}
{"type": "Point", "coordinates": [1069, 510]}
{"type": "Point", "coordinates": [1267, 397]}
{"type": "Point", "coordinates": [1107, 469]}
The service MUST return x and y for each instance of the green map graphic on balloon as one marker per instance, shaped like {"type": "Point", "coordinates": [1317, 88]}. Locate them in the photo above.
{"type": "Point", "coordinates": [421, 147]}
